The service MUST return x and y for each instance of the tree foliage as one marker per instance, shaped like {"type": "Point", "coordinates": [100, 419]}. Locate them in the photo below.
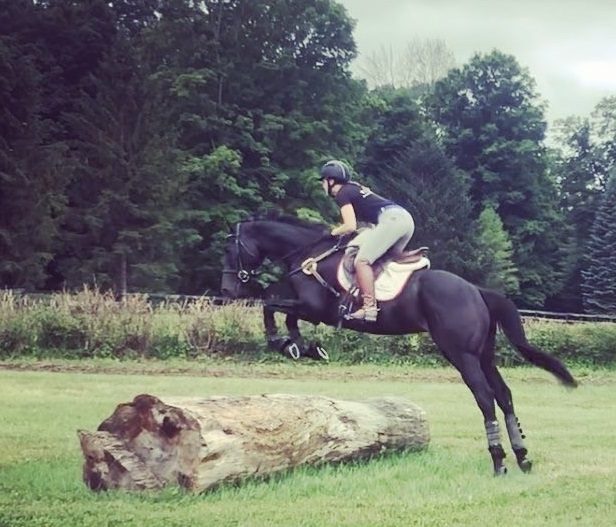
{"type": "Point", "coordinates": [134, 133]}
{"type": "Point", "coordinates": [406, 163]}
{"type": "Point", "coordinates": [599, 286]}
{"type": "Point", "coordinates": [494, 252]}
{"type": "Point", "coordinates": [577, 168]}
{"type": "Point", "coordinates": [493, 127]}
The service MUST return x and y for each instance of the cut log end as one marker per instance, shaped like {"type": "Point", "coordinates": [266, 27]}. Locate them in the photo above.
{"type": "Point", "coordinates": [199, 443]}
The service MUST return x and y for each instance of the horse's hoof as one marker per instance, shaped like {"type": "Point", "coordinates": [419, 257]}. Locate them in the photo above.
{"type": "Point", "coordinates": [526, 465]}
{"type": "Point", "coordinates": [316, 351]}
{"type": "Point", "coordinates": [322, 352]}
{"type": "Point", "coordinates": [277, 343]}
{"type": "Point", "coordinates": [500, 471]}
{"type": "Point", "coordinates": [292, 350]}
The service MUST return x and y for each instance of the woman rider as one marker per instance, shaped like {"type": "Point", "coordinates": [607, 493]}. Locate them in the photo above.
{"type": "Point", "coordinates": [394, 228]}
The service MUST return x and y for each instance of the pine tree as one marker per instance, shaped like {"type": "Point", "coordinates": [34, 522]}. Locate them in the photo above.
{"type": "Point", "coordinates": [495, 254]}
{"type": "Point", "coordinates": [404, 161]}
{"type": "Point", "coordinates": [599, 286]}
{"type": "Point", "coordinates": [33, 168]}
{"type": "Point", "coordinates": [577, 164]}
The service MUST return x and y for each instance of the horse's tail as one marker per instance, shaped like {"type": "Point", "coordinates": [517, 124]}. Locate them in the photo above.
{"type": "Point", "coordinates": [503, 311]}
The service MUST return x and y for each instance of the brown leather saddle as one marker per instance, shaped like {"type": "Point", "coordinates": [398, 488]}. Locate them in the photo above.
{"type": "Point", "coordinates": [407, 257]}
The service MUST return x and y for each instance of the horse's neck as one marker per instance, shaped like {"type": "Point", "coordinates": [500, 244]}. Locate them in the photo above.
{"type": "Point", "coordinates": [278, 240]}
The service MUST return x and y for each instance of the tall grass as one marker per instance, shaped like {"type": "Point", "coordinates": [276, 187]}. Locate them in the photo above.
{"type": "Point", "coordinates": [93, 324]}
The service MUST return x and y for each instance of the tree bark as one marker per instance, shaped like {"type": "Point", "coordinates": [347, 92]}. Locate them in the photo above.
{"type": "Point", "coordinates": [200, 443]}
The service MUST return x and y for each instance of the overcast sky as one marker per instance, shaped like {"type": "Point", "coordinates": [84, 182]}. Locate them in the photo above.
{"type": "Point", "coordinates": [568, 46]}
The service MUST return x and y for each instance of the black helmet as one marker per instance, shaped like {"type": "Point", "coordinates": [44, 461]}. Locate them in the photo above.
{"type": "Point", "coordinates": [337, 171]}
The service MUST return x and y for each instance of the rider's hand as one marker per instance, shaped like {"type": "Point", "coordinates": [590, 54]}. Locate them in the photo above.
{"type": "Point", "coordinates": [341, 230]}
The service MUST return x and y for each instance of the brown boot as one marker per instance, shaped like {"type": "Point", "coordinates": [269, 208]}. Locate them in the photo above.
{"type": "Point", "coordinates": [365, 280]}
{"type": "Point", "coordinates": [368, 312]}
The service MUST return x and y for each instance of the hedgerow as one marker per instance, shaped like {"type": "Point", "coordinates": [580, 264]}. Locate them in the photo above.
{"type": "Point", "coordinates": [92, 324]}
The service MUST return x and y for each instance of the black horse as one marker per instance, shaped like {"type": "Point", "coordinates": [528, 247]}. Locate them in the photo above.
{"type": "Point", "coordinates": [461, 318]}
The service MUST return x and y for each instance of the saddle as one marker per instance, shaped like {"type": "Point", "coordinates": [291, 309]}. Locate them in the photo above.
{"type": "Point", "coordinates": [390, 274]}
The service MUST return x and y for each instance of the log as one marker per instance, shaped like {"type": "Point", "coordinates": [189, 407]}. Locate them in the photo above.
{"type": "Point", "coordinates": [199, 443]}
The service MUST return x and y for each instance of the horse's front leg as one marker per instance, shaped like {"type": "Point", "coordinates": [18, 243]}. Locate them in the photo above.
{"type": "Point", "coordinates": [313, 349]}
{"type": "Point", "coordinates": [271, 329]}
{"type": "Point", "coordinates": [291, 345]}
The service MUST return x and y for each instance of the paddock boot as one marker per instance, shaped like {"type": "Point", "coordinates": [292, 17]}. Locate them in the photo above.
{"type": "Point", "coordinates": [368, 312]}
{"type": "Point", "coordinates": [365, 279]}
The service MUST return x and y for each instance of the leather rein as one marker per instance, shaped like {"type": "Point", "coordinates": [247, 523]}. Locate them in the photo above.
{"type": "Point", "coordinates": [308, 266]}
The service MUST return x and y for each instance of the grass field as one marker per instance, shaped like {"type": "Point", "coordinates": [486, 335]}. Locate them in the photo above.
{"type": "Point", "coordinates": [571, 438]}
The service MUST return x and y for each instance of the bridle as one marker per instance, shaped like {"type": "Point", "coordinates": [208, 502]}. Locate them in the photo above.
{"type": "Point", "coordinates": [308, 266]}
{"type": "Point", "coordinates": [243, 275]}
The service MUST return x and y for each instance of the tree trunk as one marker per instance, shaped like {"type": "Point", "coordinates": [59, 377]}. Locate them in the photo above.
{"type": "Point", "coordinates": [199, 443]}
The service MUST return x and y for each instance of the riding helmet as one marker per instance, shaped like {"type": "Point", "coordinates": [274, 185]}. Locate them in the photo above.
{"type": "Point", "coordinates": [335, 170]}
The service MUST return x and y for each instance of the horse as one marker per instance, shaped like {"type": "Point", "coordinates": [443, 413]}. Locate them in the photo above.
{"type": "Point", "coordinates": [461, 318]}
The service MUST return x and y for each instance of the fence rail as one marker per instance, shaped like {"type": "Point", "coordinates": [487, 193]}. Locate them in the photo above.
{"type": "Point", "coordinates": [526, 313]}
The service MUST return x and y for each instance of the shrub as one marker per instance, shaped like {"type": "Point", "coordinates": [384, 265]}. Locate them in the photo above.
{"type": "Point", "coordinates": [94, 324]}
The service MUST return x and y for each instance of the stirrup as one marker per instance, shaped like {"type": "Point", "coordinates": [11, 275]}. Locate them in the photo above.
{"type": "Point", "coordinates": [369, 314]}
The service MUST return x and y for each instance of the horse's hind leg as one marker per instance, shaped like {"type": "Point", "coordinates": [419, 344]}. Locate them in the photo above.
{"type": "Point", "coordinates": [502, 393]}
{"type": "Point", "coordinates": [516, 436]}
{"type": "Point", "coordinates": [470, 369]}
{"type": "Point", "coordinates": [469, 366]}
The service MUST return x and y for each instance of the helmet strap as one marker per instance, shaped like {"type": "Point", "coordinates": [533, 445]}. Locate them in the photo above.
{"type": "Point", "coordinates": [330, 186]}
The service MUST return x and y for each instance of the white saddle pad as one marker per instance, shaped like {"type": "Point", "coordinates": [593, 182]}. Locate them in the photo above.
{"type": "Point", "coordinates": [390, 282]}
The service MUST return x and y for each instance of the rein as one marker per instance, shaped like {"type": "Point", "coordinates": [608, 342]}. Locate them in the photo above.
{"type": "Point", "coordinates": [308, 266]}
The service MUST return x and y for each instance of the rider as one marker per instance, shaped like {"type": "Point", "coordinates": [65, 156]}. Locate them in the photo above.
{"type": "Point", "coordinates": [394, 227]}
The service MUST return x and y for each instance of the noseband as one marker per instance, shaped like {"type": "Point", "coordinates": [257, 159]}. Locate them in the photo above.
{"type": "Point", "coordinates": [243, 275]}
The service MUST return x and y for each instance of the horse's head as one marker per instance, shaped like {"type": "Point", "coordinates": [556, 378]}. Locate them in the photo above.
{"type": "Point", "coordinates": [242, 258]}
{"type": "Point", "coordinates": [277, 237]}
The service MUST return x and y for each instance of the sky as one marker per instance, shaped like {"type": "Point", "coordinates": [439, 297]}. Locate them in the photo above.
{"type": "Point", "coordinates": [567, 46]}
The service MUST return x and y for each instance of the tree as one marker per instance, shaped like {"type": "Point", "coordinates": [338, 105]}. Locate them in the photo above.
{"type": "Point", "coordinates": [404, 161]}
{"type": "Point", "coordinates": [421, 63]}
{"type": "Point", "coordinates": [262, 94]}
{"type": "Point", "coordinates": [493, 126]}
{"type": "Point", "coordinates": [577, 166]}
{"type": "Point", "coordinates": [122, 228]}
{"type": "Point", "coordinates": [494, 252]}
{"type": "Point", "coordinates": [33, 169]}
{"type": "Point", "coordinates": [599, 286]}
{"type": "Point", "coordinates": [603, 122]}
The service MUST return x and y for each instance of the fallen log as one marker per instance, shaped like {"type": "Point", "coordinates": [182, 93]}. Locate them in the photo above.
{"type": "Point", "coordinates": [200, 443]}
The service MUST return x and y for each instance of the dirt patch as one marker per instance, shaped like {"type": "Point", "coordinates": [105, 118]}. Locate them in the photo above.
{"type": "Point", "coordinates": [288, 370]}
{"type": "Point", "coordinates": [239, 369]}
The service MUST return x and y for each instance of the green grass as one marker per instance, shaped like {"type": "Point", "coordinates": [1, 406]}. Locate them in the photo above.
{"type": "Point", "coordinates": [571, 438]}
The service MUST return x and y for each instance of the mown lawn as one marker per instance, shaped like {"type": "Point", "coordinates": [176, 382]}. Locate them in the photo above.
{"type": "Point", "coordinates": [571, 438]}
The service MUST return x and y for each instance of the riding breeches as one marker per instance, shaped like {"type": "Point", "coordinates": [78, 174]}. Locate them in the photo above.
{"type": "Point", "coordinates": [394, 230]}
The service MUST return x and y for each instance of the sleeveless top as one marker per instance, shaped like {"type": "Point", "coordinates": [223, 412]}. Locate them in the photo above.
{"type": "Point", "coordinates": [366, 204]}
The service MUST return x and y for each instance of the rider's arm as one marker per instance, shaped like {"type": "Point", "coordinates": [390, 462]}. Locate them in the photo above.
{"type": "Point", "coordinates": [349, 221]}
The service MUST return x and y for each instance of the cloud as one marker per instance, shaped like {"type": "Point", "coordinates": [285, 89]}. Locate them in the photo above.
{"type": "Point", "coordinates": [568, 46]}
{"type": "Point", "coordinates": [599, 74]}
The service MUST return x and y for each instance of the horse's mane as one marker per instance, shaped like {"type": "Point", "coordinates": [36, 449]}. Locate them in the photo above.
{"type": "Point", "coordinates": [278, 216]}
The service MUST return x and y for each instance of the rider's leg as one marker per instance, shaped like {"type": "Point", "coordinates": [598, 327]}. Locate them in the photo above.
{"type": "Point", "coordinates": [398, 247]}
{"type": "Point", "coordinates": [395, 227]}
{"type": "Point", "coordinates": [365, 280]}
